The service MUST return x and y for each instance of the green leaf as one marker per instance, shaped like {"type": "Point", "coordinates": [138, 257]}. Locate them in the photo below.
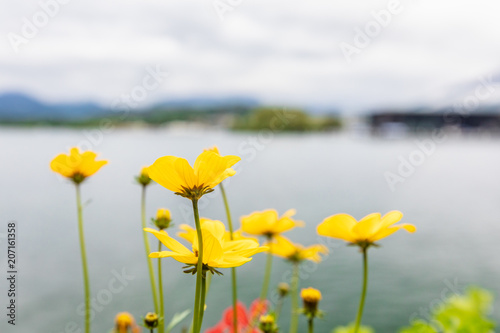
{"type": "Point", "coordinates": [466, 313]}
{"type": "Point", "coordinates": [176, 319]}
{"type": "Point", "coordinates": [350, 329]}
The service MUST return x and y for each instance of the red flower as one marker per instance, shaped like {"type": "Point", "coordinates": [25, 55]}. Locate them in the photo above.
{"type": "Point", "coordinates": [245, 318]}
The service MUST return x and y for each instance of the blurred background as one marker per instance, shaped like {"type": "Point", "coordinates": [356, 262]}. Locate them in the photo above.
{"type": "Point", "coordinates": [334, 107]}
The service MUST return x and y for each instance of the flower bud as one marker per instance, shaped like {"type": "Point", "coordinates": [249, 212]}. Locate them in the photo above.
{"type": "Point", "coordinates": [151, 320]}
{"type": "Point", "coordinates": [310, 298]}
{"type": "Point", "coordinates": [163, 219]}
{"type": "Point", "coordinates": [283, 289]}
{"type": "Point", "coordinates": [267, 324]}
{"type": "Point", "coordinates": [143, 177]}
{"type": "Point", "coordinates": [124, 323]}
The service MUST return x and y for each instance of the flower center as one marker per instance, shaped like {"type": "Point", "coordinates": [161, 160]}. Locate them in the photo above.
{"type": "Point", "coordinates": [195, 192]}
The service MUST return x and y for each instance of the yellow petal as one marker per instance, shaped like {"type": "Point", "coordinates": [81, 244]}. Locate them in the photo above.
{"type": "Point", "coordinates": [89, 165]}
{"type": "Point", "coordinates": [189, 233]}
{"type": "Point", "coordinates": [248, 252]}
{"type": "Point", "coordinates": [185, 173]}
{"type": "Point", "coordinates": [215, 149]}
{"type": "Point", "coordinates": [212, 248]}
{"type": "Point", "coordinates": [163, 171]}
{"type": "Point", "coordinates": [208, 165]}
{"type": "Point", "coordinates": [230, 261]}
{"type": "Point", "coordinates": [390, 230]}
{"type": "Point", "coordinates": [187, 259]}
{"type": "Point", "coordinates": [238, 235]}
{"type": "Point", "coordinates": [390, 219]}
{"type": "Point", "coordinates": [163, 213]}
{"type": "Point", "coordinates": [210, 168]}
{"type": "Point", "coordinates": [290, 213]}
{"type": "Point", "coordinates": [259, 223]}
{"type": "Point", "coordinates": [227, 173]}
{"type": "Point", "coordinates": [169, 242]}
{"type": "Point", "coordinates": [313, 252]}
{"type": "Point", "coordinates": [61, 165]}
{"type": "Point", "coordinates": [243, 248]}
{"type": "Point", "coordinates": [367, 226]}
{"type": "Point", "coordinates": [88, 156]}
{"type": "Point", "coordinates": [282, 247]}
{"type": "Point", "coordinates": [338, 226]}
{"type": "Point", "coordinates": [285, 224]}
{"type": "Point", "coordinates": [217, 228]}
{"type": "Point", "coordinates": [231, 160]}
{"type": "Point", "coordinates": [238, 245]}
{"type": "Point", "coordinates": [75, 154]}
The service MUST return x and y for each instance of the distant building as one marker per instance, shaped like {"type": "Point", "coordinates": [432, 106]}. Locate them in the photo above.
{"type": "Point", "coordinates": [384, 123]}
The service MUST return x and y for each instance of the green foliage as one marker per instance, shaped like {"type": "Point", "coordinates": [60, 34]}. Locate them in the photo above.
{"type": "Point", "coordinates": [459, 314]}
{"type": "Point", "coordinates": [350, 329]}
{"type": "Point", "coordinates": [285, 120]}
{"type": "Point", "coordinates": [237, 117]}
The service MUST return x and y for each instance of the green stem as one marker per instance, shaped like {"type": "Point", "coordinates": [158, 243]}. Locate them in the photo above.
{"type": "Point", "coordinates": [311, 325]}
{"type": "Point", "coordinates": [197, 316]}
{"type": "Point", "coordinates": [84, 259]}
{"type": "Point", "coordinates": [267, 274]}
{"type": "Point", "coordinates": [294, 321]}
{"type": "Point", "coordinates": [161, 325]}
{"type": "Point", "coordinates": [363, 292]}
{"type": "Point", "coordinates": [148, 250]}
{"type": "Point", "coordinates": [267, 278]}
{"type": "Point", "coordinates": [278, 308]}
{"type": "Point", "coordinates": [228, 212]}
{"type": "Point", "coordinates": [209, 281]}
{"type": "Point", "coordinates": [202, 301]}
{"type": "Point", "coordinates": [233, 269]}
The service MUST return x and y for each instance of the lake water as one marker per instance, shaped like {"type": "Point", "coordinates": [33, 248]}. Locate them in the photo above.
{"type": "Point", "coordinates": [452, 196]}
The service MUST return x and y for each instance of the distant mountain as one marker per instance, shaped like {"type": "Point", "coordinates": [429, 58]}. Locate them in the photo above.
{"type": "Point", "coordinates": [20, 107]}
{"type": "Point", "coordinates": [208, 103]}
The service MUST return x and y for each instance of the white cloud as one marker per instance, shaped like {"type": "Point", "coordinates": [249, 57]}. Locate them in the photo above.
{"type": "Point", "coordinates": [280, 52]}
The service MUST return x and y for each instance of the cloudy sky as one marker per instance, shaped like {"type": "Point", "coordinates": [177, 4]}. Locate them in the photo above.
{"type": "Point", "coordinates": [331, 54]}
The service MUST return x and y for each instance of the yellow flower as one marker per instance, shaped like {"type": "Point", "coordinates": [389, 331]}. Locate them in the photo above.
{"type": "Point", "coordinates": [310, 295]}
{"type": "Point", "coordinates": [189, 233]}
{"type": "Point", "coordinates": [364, 233]}
{"type": "Point", "coordinates": [217, 252]}
{"type": "Point", "coordinates": [125, 321]}
{"type": "Point", "coordinates": [175, 173]}
{"type": "Point", "coordinates": [283, 247]}
{"type": "Point", "coordinates": [76, 166]}
{"type": "Point", "coordinates": [267, 223]}
{"type": "Point", "coordinates": [310, 299]}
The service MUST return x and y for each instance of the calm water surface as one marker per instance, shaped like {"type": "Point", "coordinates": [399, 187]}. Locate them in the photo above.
{"type": "Point", "coordinates": [453, 197]}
